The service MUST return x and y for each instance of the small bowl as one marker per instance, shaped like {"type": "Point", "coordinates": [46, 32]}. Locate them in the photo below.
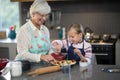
{"type": "Point", "coordinates": [3, 63]}
{"type": "Point", "coordinates": [83, 64]}
{"type": "Point", "coordinates": [58, 56]}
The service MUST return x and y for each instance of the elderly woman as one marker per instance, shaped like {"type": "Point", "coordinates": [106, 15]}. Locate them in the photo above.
{"type": "Point", "coordinates": [33, 38]}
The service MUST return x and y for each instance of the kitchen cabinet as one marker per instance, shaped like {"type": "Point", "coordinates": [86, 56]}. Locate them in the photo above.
{"type": "Point", "coordinates": [22, 0]}
{"type": "Point", "coordinates": [8, 48]}
{"type": "Point", "coordinates": [65, 0]}
{"type": "Point", "coordinates": [4, 52]}
{"type": "Point", "coordinates": [33, 0]}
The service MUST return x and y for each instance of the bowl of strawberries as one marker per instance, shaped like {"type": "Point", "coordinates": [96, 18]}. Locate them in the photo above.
{"type": "Point", "coordinates": [58, 56]}
{"type": "Point", "coordinates": [3, 63]}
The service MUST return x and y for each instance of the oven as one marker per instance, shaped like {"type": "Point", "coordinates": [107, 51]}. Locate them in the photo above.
{"type": "Point", "coordinates": [104, 52]}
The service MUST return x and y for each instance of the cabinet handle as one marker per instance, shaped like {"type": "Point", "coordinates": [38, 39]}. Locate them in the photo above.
{"type": "Point", "coordinates": [101, 54]}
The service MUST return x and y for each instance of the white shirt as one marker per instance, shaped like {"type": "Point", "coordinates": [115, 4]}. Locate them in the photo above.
{"type": "Point", "coordinates": [24, 40]}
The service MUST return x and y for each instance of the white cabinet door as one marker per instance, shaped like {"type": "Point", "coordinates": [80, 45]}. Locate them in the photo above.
{"type": "Point", "coordinates": [4, 52]}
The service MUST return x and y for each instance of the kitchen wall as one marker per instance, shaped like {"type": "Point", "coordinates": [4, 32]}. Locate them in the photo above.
{"type": "Point", "coordinates": [101, 17]}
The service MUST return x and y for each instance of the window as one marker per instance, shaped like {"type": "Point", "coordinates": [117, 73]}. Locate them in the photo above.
{"type": "Point", "coordinates": [9, 14]}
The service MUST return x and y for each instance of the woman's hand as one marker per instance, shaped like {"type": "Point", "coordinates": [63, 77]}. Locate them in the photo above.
{"type": "Point", "coordinates": [47, 58]}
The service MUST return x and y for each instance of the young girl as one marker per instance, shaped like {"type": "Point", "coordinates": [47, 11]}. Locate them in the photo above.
{"type": "Point", "coordinates": [77, 48]}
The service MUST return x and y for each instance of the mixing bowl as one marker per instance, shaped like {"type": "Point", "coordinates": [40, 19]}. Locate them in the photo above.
{"type": "Point", "coordinates": [3, 63]}
{"type": "Point", "coordinates": [58, 56]}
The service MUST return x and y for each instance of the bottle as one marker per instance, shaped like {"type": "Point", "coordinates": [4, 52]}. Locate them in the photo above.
{"type": "Point", "coordinates": [64, 33]}
{"type": "Point", "coordinates": [61, 33]}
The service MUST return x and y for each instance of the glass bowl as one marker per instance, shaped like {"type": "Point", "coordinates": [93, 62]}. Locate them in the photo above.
{"type": "Point", "coordinates": [58, 56]}
{"type": "Point", "coordinates": [3, 63]}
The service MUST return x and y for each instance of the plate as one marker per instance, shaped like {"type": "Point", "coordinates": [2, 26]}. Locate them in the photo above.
{"type": "Point", "coordinates": [64, 62]}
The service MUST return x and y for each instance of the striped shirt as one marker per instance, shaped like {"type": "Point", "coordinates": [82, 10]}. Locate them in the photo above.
{"type": "Point", "coordinates": [66, 44]}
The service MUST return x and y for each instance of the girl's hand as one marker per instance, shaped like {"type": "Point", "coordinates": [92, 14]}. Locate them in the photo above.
{"type": "Point", "coordinates": [47, 58]}
{"type": "Point", "coordinates": [78, 52]}
{"type": "Point", "coordinates": [83, 60]}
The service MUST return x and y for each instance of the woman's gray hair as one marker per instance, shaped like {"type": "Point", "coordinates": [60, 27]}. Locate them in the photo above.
{"type": "Point", "coordinates": [40, 6]}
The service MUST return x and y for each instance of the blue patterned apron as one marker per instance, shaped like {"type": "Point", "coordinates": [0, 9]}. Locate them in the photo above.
{"type": "Point", "coordinates": [39, 45]}
{"type": "Point", "coordinates": [74, 56]}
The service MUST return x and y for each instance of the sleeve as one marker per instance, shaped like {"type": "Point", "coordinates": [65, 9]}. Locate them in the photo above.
{"type": "Point", "coordinates": [23, 47]}
{"type": "Point", "coordinates": [63, 43]}
{"type": "Point", "coordinates": [88, 52]}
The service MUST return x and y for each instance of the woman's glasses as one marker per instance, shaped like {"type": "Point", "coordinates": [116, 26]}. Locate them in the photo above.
{"type": "Point", "coordinates": [45, 15]}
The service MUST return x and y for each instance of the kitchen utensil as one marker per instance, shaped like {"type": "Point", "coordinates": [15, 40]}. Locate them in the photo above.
{"type": "Point", "coordinates": [96, 36]}
{"type": "Point", "coordinates": [88, 34]}
{"type": "Point", "coordinates": [114, 36]}
{"type": "Point", "coordinates": [106, 37]}
{"type": "Point", "coordinates": [3, 63]}
{"type": "Point", "coordinates": [56, 17]}
{"type": "Point", "coordinates": [111, 70]}
{"type": "Point", "coordinates": [44, 70]}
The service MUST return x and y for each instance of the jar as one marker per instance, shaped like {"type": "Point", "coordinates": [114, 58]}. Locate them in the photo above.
{"type": "Point", "coordinates": [16, 68]}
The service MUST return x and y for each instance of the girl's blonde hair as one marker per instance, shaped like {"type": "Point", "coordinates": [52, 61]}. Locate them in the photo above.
{"type": "Point", "coordinates": [77, 27]}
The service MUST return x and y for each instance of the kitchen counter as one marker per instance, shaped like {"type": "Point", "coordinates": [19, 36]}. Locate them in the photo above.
{"type": "Point", "coordinates": [92, 72]}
